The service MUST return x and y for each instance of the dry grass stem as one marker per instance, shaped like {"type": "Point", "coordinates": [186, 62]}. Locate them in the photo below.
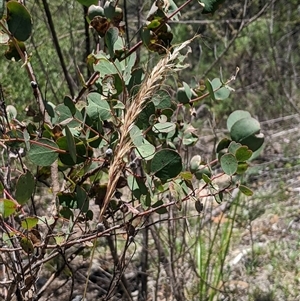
{"type": "Point", "coordinates": [149, 86]}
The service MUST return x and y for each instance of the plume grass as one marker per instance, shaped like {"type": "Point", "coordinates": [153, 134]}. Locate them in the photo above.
{"type": "Point", "coordinates": [172, 62]}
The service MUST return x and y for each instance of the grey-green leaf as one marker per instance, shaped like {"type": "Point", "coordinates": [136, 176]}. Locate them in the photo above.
{"type": "Point", "coordinates": [164, 127]}
{"type": "Point", "coordinates": [105, 67]}
{"type": "Point", "coordinates": [166, 164]}
{"type": "Point", "coordinates": [97, 108]}
{"type": "Point", "coordinates": [243, 153]}
{"type": "Point", "coordinates": [137, 186]}
{"type": "Point", "coordinates": [146, 150]}
{"type": "Point", "coordinates": [182, 96]}
{"type": "Point", "coordinates": [7, 207]}
{"type": "Point", "coordinates": [229, 164]}
{"type": "Point", "coordinates": [43, 152]}
{"type": "Point", "coordinates": [235, 116]}
{"type": "Point", "coordinates": [82, 199]}
{"type": "Point", "coordinates": [18, 20]}
{"type": "Point", "coordinates": [210, 89]}
{"type": "Point", "coordinates": [71, 144]}
{"type": "Point", "coordinates": [247, 132]}
{"type": "Point", "coordinates": [245, 190]}
{"type": "Point", "coordinates": [111, 36]}
{"type": "Point", "coordinates": [162, 99]}
{"type": "Point", "coordinates": [25, 187]}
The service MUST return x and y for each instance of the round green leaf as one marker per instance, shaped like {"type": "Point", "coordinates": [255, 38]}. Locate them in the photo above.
{"type": "Point", "coordinates": [145, 115]}
{"type": "Point", "coordinates": [146, 151]}
{"type": "Point", "coordinates": [7, 207]}
{"type": "Point", "coordinates": [222, 93]}
{"type": "Point", "coordinates": [244, 128]}
{"type": "Point", "coordinates": [49, 106]}
{"type": "Point", "coordinates": [246, 131]}
{"type": "Point", "coordinates": [137, 186]}
{"type": "Point", "coordinates": [232, 148]}
{"type": "Point", "coordinates": [89, 215]}
{"type": "Point", "coordinates": [195, 163]}
{"type": "Point", "coordinates": [106, 67]}
{"type": "Point", "coordinates": [182, 96]}
{"type": "Point", "coordinates": [109, 9]}
{"type": "Point", "coordinates": [162, 99]}
{"type": "Point", "coordinates": [163, 127]}
{"type": "Point", "coordinates": [15, 134]}
{"type": "Point", "coordinates": [11, 112]}
{"type": "Point", "coordinates": [146, 36]}
{"type": "Point", "coordinates": [66, 213]}
{"type": "Point", "coordinates": [254, 142]}
{"type": "Point", "coordinates": [94, 11]}
{"type": "Point", "coordinates": [136, 78]}
{"type": "Point", "coordinates": [210, 89]}
{"type": "Point", "coordinates": [166, 164]}
{"type": "Point", "coordinates": [25, 187]}
{"type": "Point", "coordinates": [71, 144]}
{"type": "Point", "coordinates": [136, 136]}
{"type": "Point", "coordinates": [44, 153]}
{"type": "Point", "coordinates": [70, 104]}
{"type": "Point", "coordinates": [223, 144]}
{"type": "Point", "coordinates": [187, 176]}
{"type": "Point", "coordinates": [229, 164]}
{"type": "Point", "coordinates": [29, 222]}
{"type": "Point", "coordinates": [82, 199]}
{"type": "Point", "coordinates": [245, 190]}
{"type": "Point", "coordinates": [243, 153]}
{"type": "Point", "coordinates": [235, 116]}
{"type": "Point", "coordinates": [242, 167]}
{"type": "Point", "coordinates": [18, 20]}
{"type": "Point", "coordinates": [97, 107]}
{"type": "Point", "coordinates": [65, 116]}
{"type": "Point", "coordinates": [78, 154]}
{"type": "Point", "coordinates": [67, 200]}
{"type": "Point", "coordinates": [26, 245]}
{"type": "Point", "coordinates": [153, 24]}
{"type": "Point", "coordinates": [216, 83]}
{"type": "Point", "coordinates": [256, 153]}
{"type": "Point", "coordinates": [189, 137]}
{"type": "Point", "coordinates": [187, 90]}
{"type": "Point", "coordinates": [111, 37]}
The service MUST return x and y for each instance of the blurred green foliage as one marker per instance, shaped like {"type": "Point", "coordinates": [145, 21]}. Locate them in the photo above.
{"type": "Point", "coordinates": [264, 47]}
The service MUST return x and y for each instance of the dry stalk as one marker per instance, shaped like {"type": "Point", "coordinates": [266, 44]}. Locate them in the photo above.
{"type": "Point", "coordinates": [152, 82]}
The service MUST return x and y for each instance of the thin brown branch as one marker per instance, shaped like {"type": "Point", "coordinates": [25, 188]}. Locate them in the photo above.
{"type": "Point", "coordinates": [57, 47]}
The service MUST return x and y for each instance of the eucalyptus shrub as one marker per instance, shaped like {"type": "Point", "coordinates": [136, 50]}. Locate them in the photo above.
{"type": "Point", "coordinates": [123, 129]}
